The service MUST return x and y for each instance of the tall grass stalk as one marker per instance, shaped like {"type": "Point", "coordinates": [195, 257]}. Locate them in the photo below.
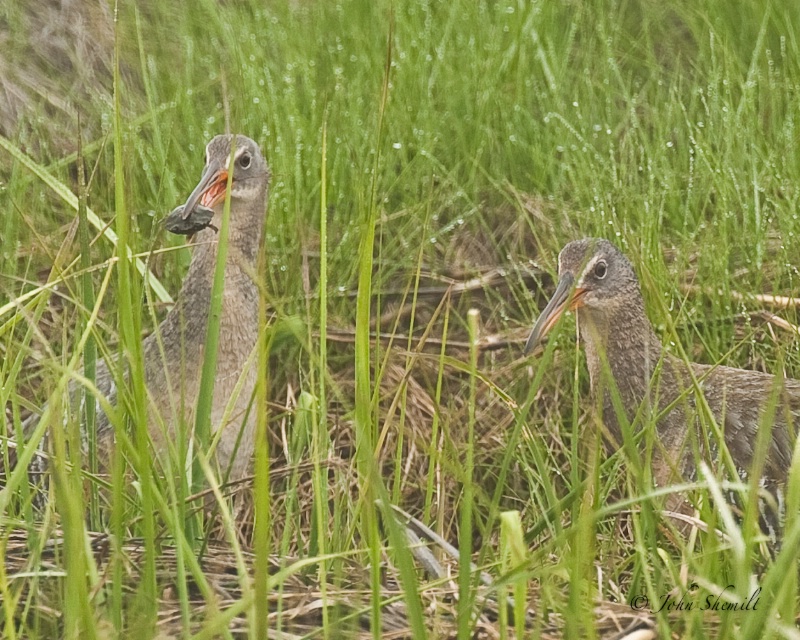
{"type": "Point", "coordinates": [365, 427]}
{"type": "Point", "coordinates": [208, 374]}
{"type": "Point", "coordinates": [465, 613]}
{"type": "Point", "coordinates": [513, 556]}
{"type": "Point", "coordinates": [66, 462]}
{"type": "Point", "coordinates": [132, 359]}
{"type": "Point", "coordinates": [434, 448]}
{"type": "Point", "coordinates": [90, 350]}
{"type": "Point", "coordinates": [261, 486]}
{"type": "Point", "coordinates": [319, 434]}
{"type": "Point", "coordinates": [78, 618]}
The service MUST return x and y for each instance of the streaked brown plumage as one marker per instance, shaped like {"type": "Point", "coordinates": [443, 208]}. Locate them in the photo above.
{"type": "Point", "coordinates": [183, 331]}
{"type": "Point", "coordinates": [174, 353]}
{"type": "Point", "coordinates": [598, 282]}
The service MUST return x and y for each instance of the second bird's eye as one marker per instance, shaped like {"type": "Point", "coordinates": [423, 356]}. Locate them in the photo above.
{"type": "Point", "coordinates": [600, 270]}
{"type": "Point", "coordinates": [244, 160]}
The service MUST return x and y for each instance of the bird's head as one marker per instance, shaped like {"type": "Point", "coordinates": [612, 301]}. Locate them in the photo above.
{"type": "Point", "coordinates": [250, 174]}
{"type": "Point", "coordinates": [593, 275]}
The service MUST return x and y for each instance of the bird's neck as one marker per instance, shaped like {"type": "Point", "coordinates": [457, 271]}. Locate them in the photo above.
{"type": "Point", "coordinates": [245, 228]}
{"type": "Point", "coordinates": [189, 317]}
{"type": "Point", "coordinates": [622, 353]}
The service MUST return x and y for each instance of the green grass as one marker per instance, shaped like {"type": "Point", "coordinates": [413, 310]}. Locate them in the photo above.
{"type": "Point", "coordinates": [499, 133]}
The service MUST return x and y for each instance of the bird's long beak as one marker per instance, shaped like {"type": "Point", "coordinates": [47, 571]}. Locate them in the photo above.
{"type": "Point", "coordinates": [210, 190]}
{"type": "Point", "coordinates": [566, 295]}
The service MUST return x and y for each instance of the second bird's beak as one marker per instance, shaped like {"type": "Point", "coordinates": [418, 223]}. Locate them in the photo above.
{"type": "Point", "coordinates": [210, 190]}
{"type": "Point", "coordinates": [566, 295]}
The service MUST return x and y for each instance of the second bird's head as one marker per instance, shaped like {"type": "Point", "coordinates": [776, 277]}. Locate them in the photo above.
{"type": "Point", "coordinates": [593, 275]}
{"type": "Point", "coordinates": [250, 174]}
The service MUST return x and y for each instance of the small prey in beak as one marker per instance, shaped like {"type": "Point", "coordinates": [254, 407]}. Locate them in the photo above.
{"type": "Point", "coordinates": [180, 224]}
{"type": "Point", "coordinates": [198, 211]}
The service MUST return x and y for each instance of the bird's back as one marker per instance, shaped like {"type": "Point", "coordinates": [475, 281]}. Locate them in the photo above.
{"type": "Point", "coordinates": [746, 402]}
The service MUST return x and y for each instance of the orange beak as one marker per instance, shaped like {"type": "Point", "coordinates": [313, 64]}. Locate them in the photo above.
{"type": "Point", "coordinates": [566, 296]}
{"type": "Point", "coordinates": [210, 190]}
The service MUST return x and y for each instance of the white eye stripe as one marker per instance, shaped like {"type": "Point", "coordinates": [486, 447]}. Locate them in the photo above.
{"type": "Point", "coordinates": [238, 158]}
{"type": "Point", "coordinates": [591, 265]}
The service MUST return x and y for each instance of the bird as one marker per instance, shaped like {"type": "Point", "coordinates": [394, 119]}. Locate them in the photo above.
{"type": "Point", "coordinates": [627, 360]}
{"type": "Point", "coordinates": [174, 353]}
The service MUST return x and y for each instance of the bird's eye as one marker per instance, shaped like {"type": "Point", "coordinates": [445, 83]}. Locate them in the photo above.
{"type": "Point", "coordinates": [600, 270]}
{"type": "Point", "coordinates": [245, 160]}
